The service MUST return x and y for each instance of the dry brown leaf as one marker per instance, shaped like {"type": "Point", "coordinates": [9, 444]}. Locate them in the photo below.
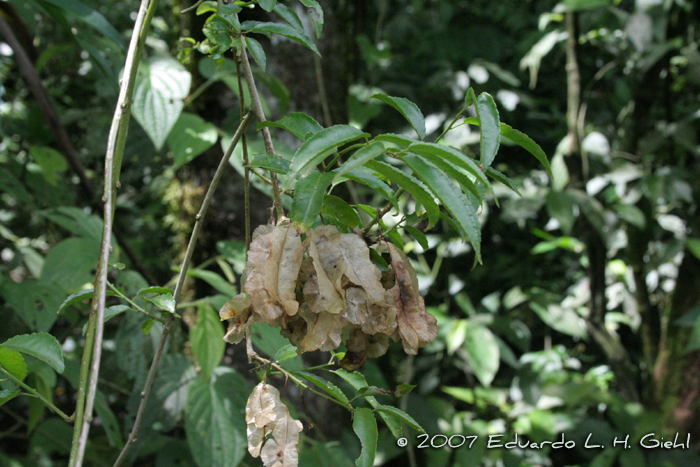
{"type": "Point", "coordinates": [373, 318]}
{"type": "Point", "coordinates": [330, 266]}
{"type": "Point", "coordinates": [235, 306]}
{"type": "Point", "coordinates": [323, 330]}
{"type": "Point", "coordinates": [416, 326]}
{"type": "Point", "coordinates": [266, 414]}
{"type": "Point", "coordinates": [360, 270]}
{"type": "Point", "coordinates": [238, 308]}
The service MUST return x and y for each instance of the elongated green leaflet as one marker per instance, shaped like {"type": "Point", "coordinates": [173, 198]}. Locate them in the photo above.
{"type": "Point", "coordinates": [283, 30]}
{"type": "Point", "coordinates": [270, 162]}
{"type": "Point", "coordinates": [308, 199]}
{"type": "Point", "coordinates": [361, 156]}
{"type": "Point", "coordinates": [367, 178]}
{"type": "Point", "coordinates": [298, 123]}
{"type": "Point", "coordinates": [490, 128]}
{"type": "Point", "coordinates": [498, 176]}
{"type": "Point", "coordinates": [408, 109]}
{"type": "Point", "coordinates": [412, 186]}
{"type": "Point", "coordinates": [365, 426]}
{"type": "Point", "coordinates": [340, 212]}
{"type": "Point", "coordinates": [451, 197]}
{"type": "Point", "coordinates": [454, 156]}
{"type": "Point", "coordinates": [401, 415]}
{"type": "Point", "coordinates": [324, 385]}
{"type": "Point", "coordinates": [319, 146]}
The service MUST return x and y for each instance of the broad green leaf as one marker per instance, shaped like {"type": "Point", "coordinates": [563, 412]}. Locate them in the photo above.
{"type": "Point", "coordinates": [35, 302]}
{"type": "Point", "coordinates": [298, 123]}
{"type": "Point", "coordinates": [41, 345]}
{"type": "Point", "coordinates": [339, 211]}
{"type": "Point", "coordinates": [560, 173]}
{"type": "Point", "coordinates": [365, 426]}
{"type": "Point", "coordinates": [51, 162]}
{"type": "Point", "coordinates": [414, 187]}
{"type": "Point", "coordinates": [281, 29]}
{"type": "Point", "coordinates": [527, 143]}
{"type": "Point", "coordinates": [146, 326]}
{"type": "Point", "coordinates": [110, 313]}
{"type": "Point", "coordinates": [270, 162]}
{"type": "Point", "coordinates": [71, 263]}
{"type": "Point", "coordinates": [75, 220]}
{"type": "Point", "coordinates": [484, 353]}
{"type": "Point", "coordinates": [452, 198]}
{"type": "Point", "coordinates": [77, 297]}
{"type": "Point", "coordinates": [207, 7]}
{"type": "Point", "coordinates": [318, 23]}
{"type": "Point", "coordinates": [207, 338]}
{"type": "Point", "coordinates": [367, 178]}
{"type": "Point", "coordinates": [215, 280]}
{"type": "Point", "coordinates": [418, 236]}
{"type": "Point", "coordinates": [693, 245]}
{"type": "Point", "coordinates": [434, 152]}
{"type": "Point", "coordinates": [319, 146]}
{"type": "Point", "coordinates": [308, 199]}
{"type": "Point", "coordinates": [357, 381]}
{"type": "Point", "coordinates": [500, 177]}
{"type": "Point", "coordinates": [490, 128]}
{"type": "Point", "coordinates": [360, 157]}
{"type": "Point", "coordinates": [267, 5]}
{"type": "Point", "coordinates": [156, 289]}
{"type": "Point", "coordinates": [88, 16]}
{"type": "Point", "coordinates": [289, 16]}
{"type": "Point", "coordinates": [631, 214]}
{"type": "Point", "coordinates": [160, 89]}
{"type": "Point", "coordinates": [561, 319]}
{"type": "Point", "coordinates": [408, 109]}
{"type": "Point", "coordinates": [333, 390]}
{"type": "Point", "coordinates": [13, 362]}
{"type": "Point", "coordinates": [229, 12]}
{"type": "Point", "coordinates": [37, 406]}
{"type": "Point", "coordinates": [190, 136]}
{"type": "Point", "coordinates": [11, 185]}
{"type": "Point", "coordinates": [214, 425]}
{"type": "Point", "coordinates": [456, 335]}
{"type": "Point", "coordinates": [257, 52]}
{"type": "Point", "coordinates": [401, 415]}
{"type": "Point", "coordinates": [165, 302]}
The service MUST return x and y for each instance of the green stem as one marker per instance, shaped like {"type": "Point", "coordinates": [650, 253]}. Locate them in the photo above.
{"type": "Point", "coordinates": [36, 393]}
{"type": "Point", "coordinates": [133, 304]}
{"type": "Point", "coordinates": [451, 123]}
{"type": "Point", "coordinates": [382, 213]}
{"type": "Point", "coordinates": [90, 365]}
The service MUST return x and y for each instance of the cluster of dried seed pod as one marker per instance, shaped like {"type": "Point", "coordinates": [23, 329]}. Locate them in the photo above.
{"type": "Point", "coordinates": [325, 290]}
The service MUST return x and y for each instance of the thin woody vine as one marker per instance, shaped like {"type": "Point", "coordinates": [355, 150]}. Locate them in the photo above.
{"type": "Point", "coordinates": [328, 274]}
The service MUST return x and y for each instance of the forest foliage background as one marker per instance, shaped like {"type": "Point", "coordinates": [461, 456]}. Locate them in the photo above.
{"type": "Point", "coordinates": [584, 317]}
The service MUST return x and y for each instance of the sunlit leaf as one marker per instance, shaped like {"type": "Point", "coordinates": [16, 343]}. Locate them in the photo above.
{"type": "Point", "coordinates": [41, 345]}
{"type": "Point", "coordinates": [13, 362]}
{"type": "Point", "coordinates": [281, 29]}
{"type": "Point", "coordinates": [365, 426]}
{"type": "Point", "coordinates": [408, 109]}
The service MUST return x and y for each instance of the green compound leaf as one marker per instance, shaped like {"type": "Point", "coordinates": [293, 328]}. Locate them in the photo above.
{"type": "Point", "coordinates": [281, 29]}
{"type": "Point", "coordinates": [330, 388]}
{"type": "Point", "coordinates": [13, 362]}
{"type": "Point", "coordinates": [437, 152]}
{"type": "Point", "coordinates": [527, 143]}
{"type": "Point", "coordinates": [207, 338]}
{"type": "Point", "coordinates": [298, 123]}
{"type": "Point", "coordinates": [414, 187]}
{"type": "Point", "coordinates": [500, 177]}
{"type": "Point", "coordinates": [308, 199]}
{"type": "Point", "coordinates": [367, 178]}
{"type": "Point", "coordinates": [160, 89]}
{"type": "Point", "coordinates": [319, 146]}
{"type": "Point", "coordinates": [401, 415]}
{"type": "Point", "coordinates": [408, 109]}
{"type": "Point", "coordinates": [459, 207]}
{"type": "Point", "coordinates": [190, 137]}
{"type": "Point", "coordinates": [289, 16]}
{"type": "Point", "coordinates": [41, 345]}
{"type": "Point", "coordinates": [365, 426]}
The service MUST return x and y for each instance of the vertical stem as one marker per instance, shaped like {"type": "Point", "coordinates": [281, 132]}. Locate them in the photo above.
{"type": "Point", "coordinates": [573, 85]}
{"type": "Point", "coordinates": [246, 170]}
{"type": "Point", "coordinates": [256, 106]}
{"type": "Point", "coordinates": [113, 160]}
{"type": "Point", "coordinates": [199, 219]}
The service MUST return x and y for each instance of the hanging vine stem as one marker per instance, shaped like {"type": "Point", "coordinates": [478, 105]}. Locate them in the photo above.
{"type": "Point", "coordinates": [256, 106]}
{"type": "Point", "coordinates": [90, 365]}
{"type": "Point", "coordinates": [199, 219]}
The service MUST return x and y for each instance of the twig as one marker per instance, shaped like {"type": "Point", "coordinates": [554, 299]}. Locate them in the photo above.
{"type": "Point", "coordinates": [113, 159]}
{"type": "Point", "coordinates": [190, 8]}
{"type": "Point", "coordinates": [246, 169]}
{"type": "Point", "coordinates": [178, 288]}
{"type": "Point", "coordinates": [35, 393]}
{"type": "Point", "coordinates": [133, 304]}
{"type": "Point", "coordinates": [260, 113]}
{"type": "Point", "coordinates": [381, 213]}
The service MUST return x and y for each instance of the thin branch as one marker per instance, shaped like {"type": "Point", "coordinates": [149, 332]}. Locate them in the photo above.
{"type": "Point", "coordinates": [260, 113]}
{"type": "Point", "coordinates": [199, 219]}
{"type": "Point", "coordinates": [246, 169]}
{"type": "Point", "coordinates": [381, 213]}
{"type": "Point", "coordinates": [190, 8]}
{"type": "Point", "coordinates": [113, 159]}
{"type": "Point", "coordinates": [35, 393]}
